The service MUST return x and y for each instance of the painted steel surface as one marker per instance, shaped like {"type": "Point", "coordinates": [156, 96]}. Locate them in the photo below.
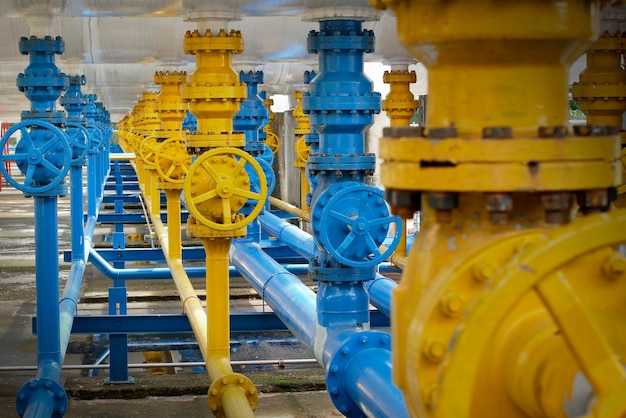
{"type": "Point", "coordinates": [510, 295]}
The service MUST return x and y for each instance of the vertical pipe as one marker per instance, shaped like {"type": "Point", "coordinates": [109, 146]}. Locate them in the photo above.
{"type": "Point", "coordinates": [218, 311]}
{"type": "Point", "coordinates": [76, 212]}
{"type": "Point", "coordinates": [173, 223]}
{"type": "Point", "coordinates": [46, 276]}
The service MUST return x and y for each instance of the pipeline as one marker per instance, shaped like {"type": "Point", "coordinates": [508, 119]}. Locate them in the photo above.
{"type": "Point", "coordinates": [295, 304]}
{"type": "Point", "coordinates": [379, 288]}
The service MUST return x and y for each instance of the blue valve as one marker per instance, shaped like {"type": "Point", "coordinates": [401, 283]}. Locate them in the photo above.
{"type": "Point", "coordinates": [43, 155]}
{"type": "Point", "coordinates": [351, 221]}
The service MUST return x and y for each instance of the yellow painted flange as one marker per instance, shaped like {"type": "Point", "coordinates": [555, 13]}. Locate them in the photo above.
{"type": "Point", "coordinates": [217, 186]}
{"type": "Point", "coordinates": [219, 386]}
{"type": "Point", "coordinates": [172, 161]}
{"type": "Point", "coordinates": [195, 42]}
{"type": "Point", "coordinates": [460, 354]}
{"type": "Point", "coordinates": [519, 164]}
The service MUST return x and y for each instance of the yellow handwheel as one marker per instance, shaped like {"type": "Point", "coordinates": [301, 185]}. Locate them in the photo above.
{"type": "Point", "coordinates": [217, 186]}
{"type": "Point", "coordinates": [302, 149]}
{"type": "Point", "coordinates": [147, 149]}
{"type": "Point", "coordinates": [273, 141]}
{"type": "Point", "coordinates": [172, 160]}
{"type": "Point", "coordinates": [513, 327]}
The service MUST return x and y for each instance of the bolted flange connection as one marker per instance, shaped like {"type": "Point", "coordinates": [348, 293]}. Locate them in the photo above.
{"type": "Point", "coordinates": [233, 381]}
{"type": "Point", "coordinates": [43, 384]}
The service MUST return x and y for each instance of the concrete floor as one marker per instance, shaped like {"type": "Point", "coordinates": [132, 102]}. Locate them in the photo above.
{"type": "Point", "coordinates": [182, 394]}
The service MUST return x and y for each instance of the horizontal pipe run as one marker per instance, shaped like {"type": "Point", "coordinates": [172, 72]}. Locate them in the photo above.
{"type": "Point", "coordinates": [275, 362]}
{"type": "Point", "coordinates": [165, 272]}
{"type": "Point", "coordinates": [291, 235]}
{"type": "Point", "coordinates": [380, 289]}
{"type": "Point", "coordinates": [301, 242]}
{"type": "Point", "coordinates": [289, 208]}
{"type": "Point", "coordinates": [296, 306]}
{"type": "Point", "coordinates": [292, 301]}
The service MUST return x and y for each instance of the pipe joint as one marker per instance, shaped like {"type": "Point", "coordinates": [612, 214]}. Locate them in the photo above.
{"type": "Point", "coordinates": [221, 392]}
{"type": "Point", "coordinates": [41, 392]}
{"type": "Point", "coordinates": [367, 343]}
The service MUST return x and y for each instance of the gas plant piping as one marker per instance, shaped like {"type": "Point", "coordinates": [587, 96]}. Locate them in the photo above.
{"type": "Point", "coordinates": [512, 283]}
{"type": "Point", "coordinates": [52, 144]}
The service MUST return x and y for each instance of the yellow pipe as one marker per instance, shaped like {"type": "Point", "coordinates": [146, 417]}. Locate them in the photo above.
{"type": "Point", "coordinates": [214, 93]}
{"type": "Point", "coordinates": [289, 208]}
{"type": "Point", "coordinates": [155, 193]}
{"type": "Point", "coordinates": [217, 301]}
{"type": "Point", "coordinates": [235, 405]}
{"type": "Point", "coordinates": [192, 306]}
{"type": "Point", "coordinates": [173, 223]}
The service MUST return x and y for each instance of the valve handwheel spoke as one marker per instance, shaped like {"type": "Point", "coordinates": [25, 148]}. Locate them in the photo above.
{"type": "Point", "coordinates": [247, 194]}
{"type": "Point", "coordinates": [215, 176]}
{"type": "Point", "coordinates": [346, 243]}
{"type": "Point", "coordinates": [205, 196]}
{"type": "Point", "coordinates": [240, 165]}
{"type": "Point", "coordinates": [218, 185]}
{"type": "Point", "coordinates": [598, 360]}
{"type": "Point", "coordinates": [341, 217]}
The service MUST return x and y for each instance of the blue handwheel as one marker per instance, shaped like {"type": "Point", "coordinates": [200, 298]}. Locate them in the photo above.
{"type": "Point", "coordinates": [78, 137]}
{"type": "Point", "coordinates": [355, 222]}
{"type": "Point", "coordinates": [43, 155]}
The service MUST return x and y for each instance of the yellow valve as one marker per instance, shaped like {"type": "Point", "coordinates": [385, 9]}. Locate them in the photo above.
{"type": "Point", "coordinates": [302, 152]}
{"type": "Point", "coordinates": [172, 160]}
{"type": "Point", "coordinates": [149, 120]}
{"type": "Point", "coordinates": [272, 140]}
{"type": "Point", "coordinates": [400, 104]}
{"type": "Point", "coordinates": [214, 91]}
{"type": "Point", "coordinates": [217, 186]}
{"type": "Point", "coordinates": [302, 149]}
{"type": "Point", "coordinates": [601, 91]}
{"type": "Point", "coordinates": [147, 149]}
{"type": "Point", "coordinates": [170, 107]}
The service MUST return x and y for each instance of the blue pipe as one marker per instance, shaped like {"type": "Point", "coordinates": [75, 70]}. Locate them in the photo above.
{"type": "Point", "coordinates": [379, 288]}
{"type": "Point", "coordinates": [44, 395]}
{"type": "Point", "coordinates": [46, 276]}
{"type": "Point", "coordinates": [292, 301]}
{"type": "Point", "coordinates": [295, 238]}
{"type": "Point", "coordinates": [163, 272]}
{"type": "Point", "coordinates": [358, 363]}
